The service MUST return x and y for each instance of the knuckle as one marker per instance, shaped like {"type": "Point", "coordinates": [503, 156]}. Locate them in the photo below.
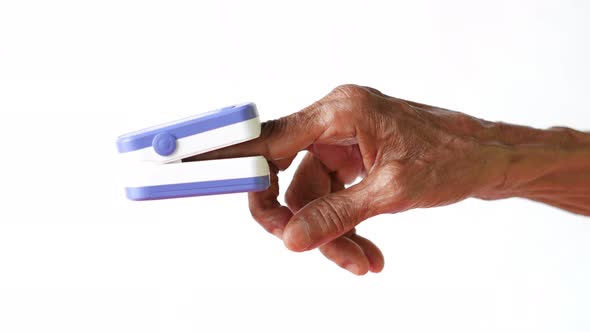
{"type": "Point", "coordinates": [374, 91]}
{"type": "Point", "coordinates": [568, 136]}
{"type": "Point", "coordinates": [353, 93]}
{"type": "Point", "coordinates": [349, 90]}
{"type": "Point", "coordinates": [354, 102]}
{"type": "Point", "coordinates": [334, 218]}
{"type": "Point", "coordinates": [272, 130]}
{"type": "Point", "coordinates": [271, 127]}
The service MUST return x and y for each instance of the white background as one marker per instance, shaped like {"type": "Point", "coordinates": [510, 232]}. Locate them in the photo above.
{"type": "Point", "coordinates": [75, 255]}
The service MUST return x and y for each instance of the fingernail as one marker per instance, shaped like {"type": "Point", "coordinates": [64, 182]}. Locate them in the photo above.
{"type": "Point", "coordinates": [278, 233]}
{"type": "Point", "coordinates": [296, 235]}
{"type": "Point", "coordinates": [354, 268]}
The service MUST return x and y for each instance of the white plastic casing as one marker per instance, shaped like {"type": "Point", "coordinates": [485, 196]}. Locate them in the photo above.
{"type": "Point", "coordinates": [200, 143]}
{"type": "Point", "coordinates": [144, 175]}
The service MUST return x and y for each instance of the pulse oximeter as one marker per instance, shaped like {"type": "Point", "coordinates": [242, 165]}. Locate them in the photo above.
{"type": "Point", "coordinates": [156, 155]}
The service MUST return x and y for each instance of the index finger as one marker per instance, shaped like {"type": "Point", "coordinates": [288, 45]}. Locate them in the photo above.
{"type": "Point", "coordinates": [281, 138]}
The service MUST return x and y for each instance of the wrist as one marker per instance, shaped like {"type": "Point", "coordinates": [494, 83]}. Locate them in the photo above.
{"type": "Point", "coordinates": [532, 163]}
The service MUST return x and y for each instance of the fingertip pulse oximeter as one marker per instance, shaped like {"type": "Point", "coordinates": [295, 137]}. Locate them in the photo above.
{"type": "Point", "coordinates": [157, 152]}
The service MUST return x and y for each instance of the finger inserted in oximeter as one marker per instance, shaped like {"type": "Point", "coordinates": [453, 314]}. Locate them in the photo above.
{"type": "Point", "coordinates": [156, 154]}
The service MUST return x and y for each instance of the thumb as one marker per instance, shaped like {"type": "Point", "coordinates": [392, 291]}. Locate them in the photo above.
{"type": "Point", "coordinates": [330, 216]}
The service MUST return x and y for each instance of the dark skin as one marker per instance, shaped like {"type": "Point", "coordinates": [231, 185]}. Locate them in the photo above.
{"type": "Point", "coordinates": [409, 155]}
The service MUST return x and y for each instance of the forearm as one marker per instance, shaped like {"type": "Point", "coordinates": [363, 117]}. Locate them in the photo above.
{"type": "Point", "coordinates": [550, 166]}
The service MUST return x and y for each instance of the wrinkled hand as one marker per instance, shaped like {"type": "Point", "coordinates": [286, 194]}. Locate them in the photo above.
{"type": "Point", "coordinates": [409, 156]}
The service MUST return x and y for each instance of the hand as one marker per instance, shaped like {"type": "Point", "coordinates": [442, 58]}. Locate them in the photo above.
{"type": "Point", "coordinates": [409, 156]}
